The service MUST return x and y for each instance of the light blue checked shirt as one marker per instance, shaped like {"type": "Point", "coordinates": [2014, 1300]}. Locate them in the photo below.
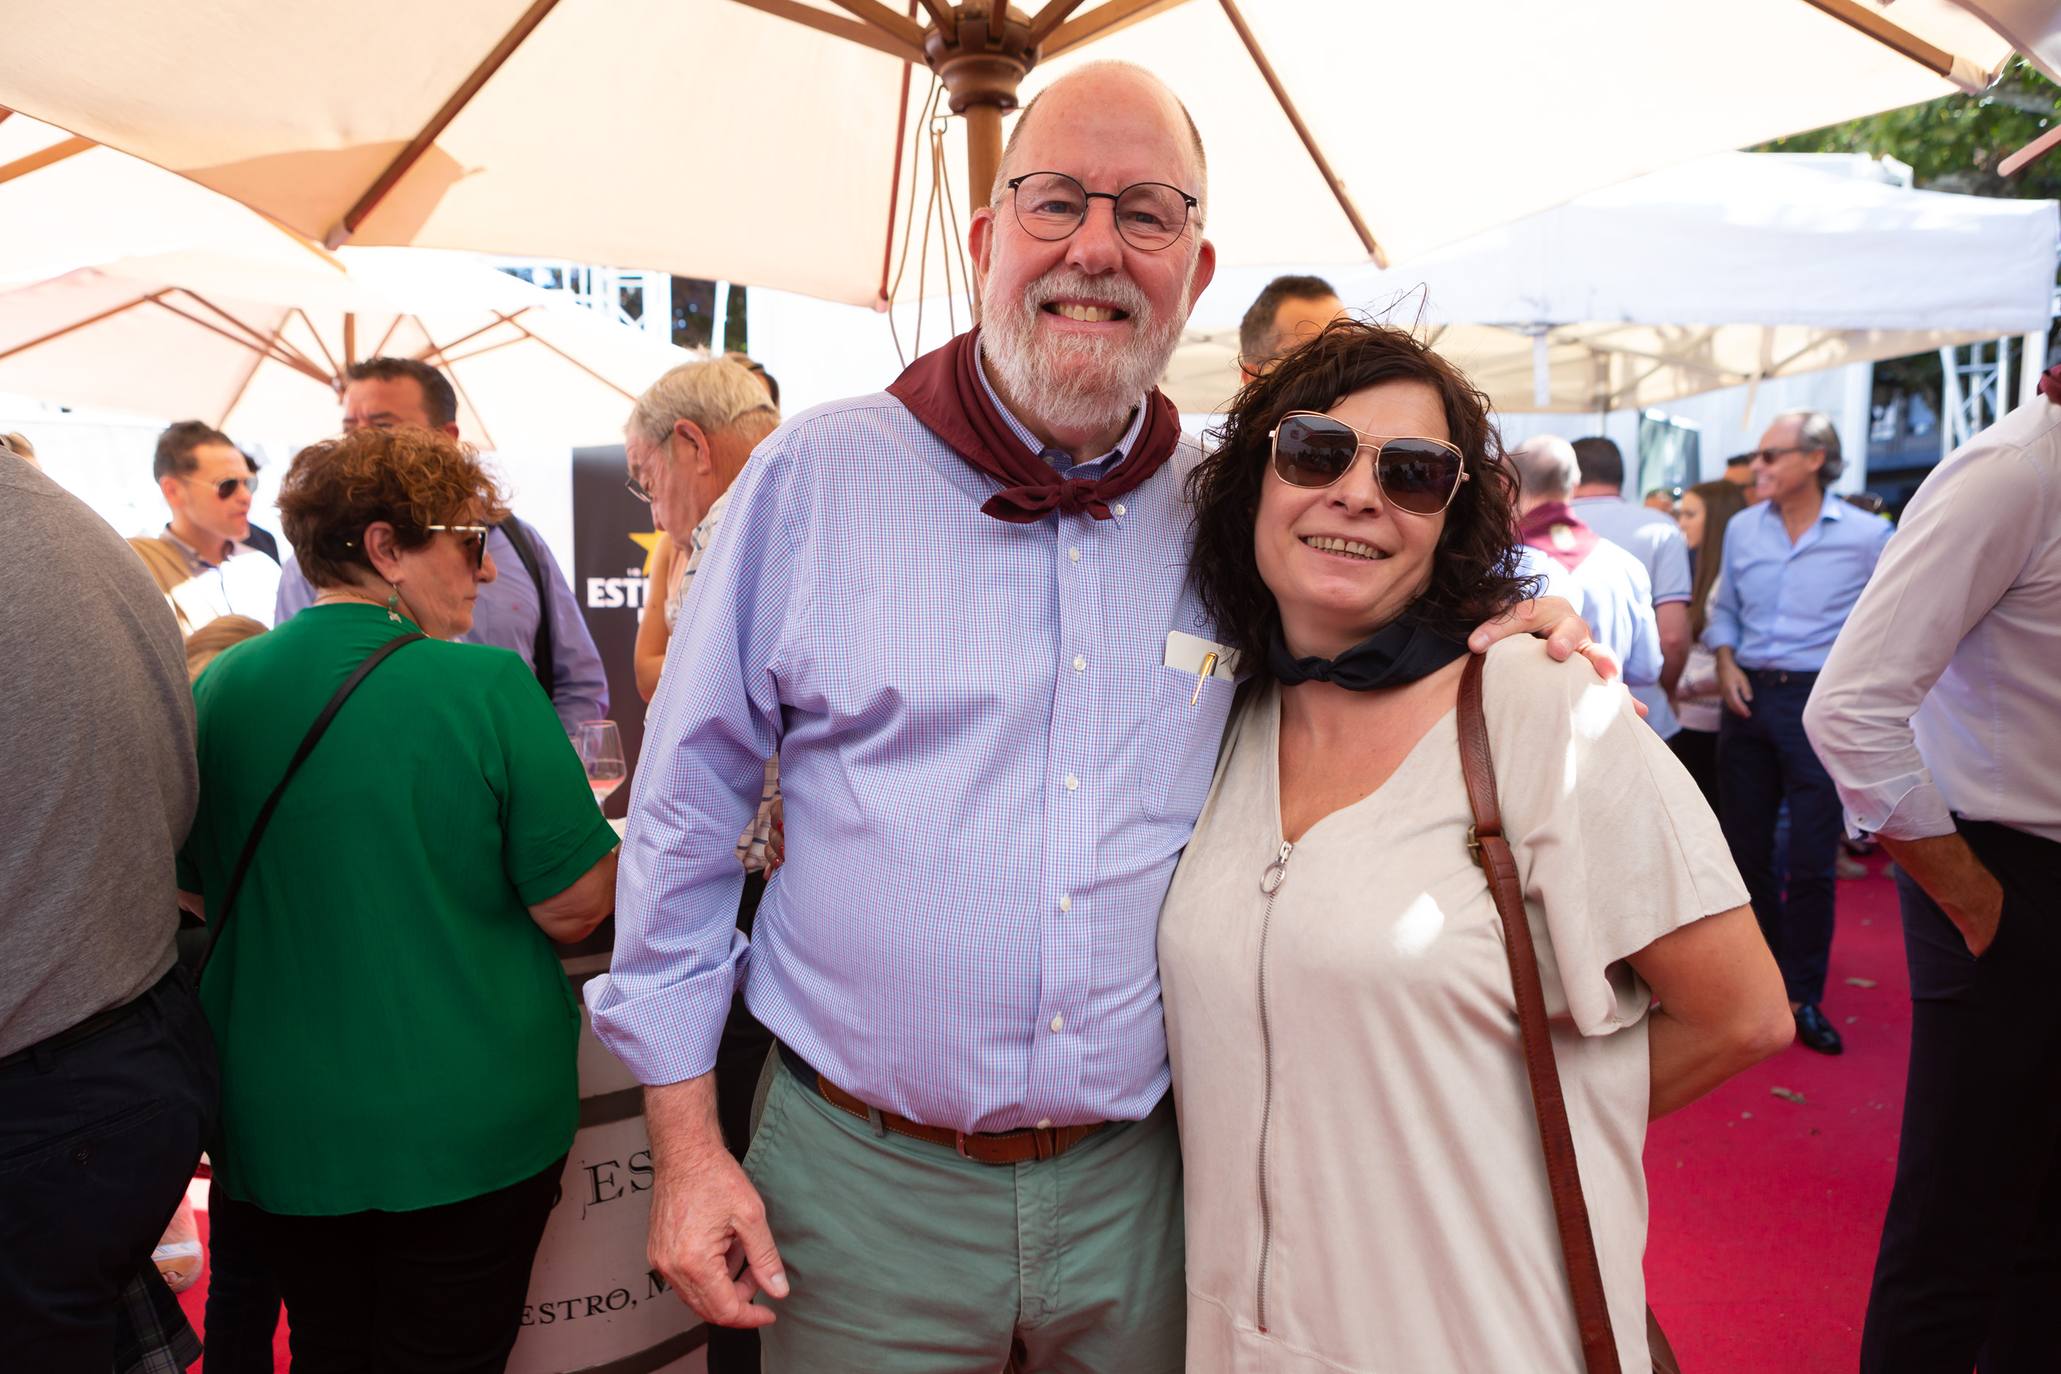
{"type": "Point", "coordinates": [989, 772]}
{"type": "Point", "coordinates": [1780, 604]}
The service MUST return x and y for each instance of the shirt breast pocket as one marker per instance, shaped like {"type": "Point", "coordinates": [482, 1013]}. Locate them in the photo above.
{"type": "Point", "coordinates": [1181, 735]}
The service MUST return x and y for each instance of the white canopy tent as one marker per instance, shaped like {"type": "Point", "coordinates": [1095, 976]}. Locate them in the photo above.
{"type": "Point", "coordinates": [1335, 128]}
{"type": "Point", "coordinates": [1721, 272]}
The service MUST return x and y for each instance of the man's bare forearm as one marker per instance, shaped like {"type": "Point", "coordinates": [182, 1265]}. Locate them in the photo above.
{"type": "Point", "coordinates": [681, 1118]}
{"type": "Point", "coordinates": [1955, 878]}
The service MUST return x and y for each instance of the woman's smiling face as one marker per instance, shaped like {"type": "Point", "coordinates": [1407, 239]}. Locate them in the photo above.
{"type": "Point", "coordinates": [1341, 561]}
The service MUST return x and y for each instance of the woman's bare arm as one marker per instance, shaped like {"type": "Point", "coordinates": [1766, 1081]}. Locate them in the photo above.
{"type": "Point", "coordinates": [1722, 1007]}
{"type": "Point", "coordinates": [573, 913]}
{"type": "Point", "coordinates": [652, 632]}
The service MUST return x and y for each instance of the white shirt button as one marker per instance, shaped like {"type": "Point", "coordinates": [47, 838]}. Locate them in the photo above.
{"type": "Point", "coordinates": [1080, 663]}
{"type": "Point", "coordinates": [1117, 509]}
{"type": "Point", "coordinates": [1058, 1024]}
{"type": "Point", "coordinates": [1072, 782]}
{"type": "Point", "coordinates": [1066, 901]}
{"type": "Point", "coordinates": [1045, 1124]}
{"type": "Point", "coordinates": [1074, 554]}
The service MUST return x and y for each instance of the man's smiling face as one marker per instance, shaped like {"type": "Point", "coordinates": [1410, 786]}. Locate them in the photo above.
{"type": "Point", "coordinates": [1078, 329]}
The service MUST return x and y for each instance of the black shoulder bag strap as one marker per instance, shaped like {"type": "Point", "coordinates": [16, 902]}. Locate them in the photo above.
{"type": "Point", "coordinates": [542, 659]}
{"type": "Point", "coordinates": [219, 920]}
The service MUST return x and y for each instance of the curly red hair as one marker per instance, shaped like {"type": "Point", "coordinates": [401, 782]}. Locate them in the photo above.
{"type": "Point", "coordinates": [410, 478]}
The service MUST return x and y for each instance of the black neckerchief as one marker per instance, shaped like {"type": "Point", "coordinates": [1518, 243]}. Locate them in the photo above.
{"type": "Point", "coordinates": [1407, 648]}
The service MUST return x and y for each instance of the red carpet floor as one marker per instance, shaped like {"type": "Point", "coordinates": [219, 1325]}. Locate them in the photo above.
{"type": "Point", "coordinates": [1766, 1211]}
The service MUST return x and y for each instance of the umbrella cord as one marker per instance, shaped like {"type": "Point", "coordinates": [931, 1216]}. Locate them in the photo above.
{"type": "Point", "coordinates": [909, 235]}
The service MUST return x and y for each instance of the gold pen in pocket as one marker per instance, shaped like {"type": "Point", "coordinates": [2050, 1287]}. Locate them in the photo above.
{"type": "Point", "coordinates": [1209, 665]}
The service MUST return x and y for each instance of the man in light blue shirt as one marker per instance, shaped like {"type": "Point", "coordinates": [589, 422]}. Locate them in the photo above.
{"type": "Point", "coordinates": [510, 614]}
{"type": "Point", "coordinates": [1795, 563]}
{"type": "Point", "coordinates": [1612, 591]}
{"type": "Point", "coordinates": [996, 721]}
{"type": "Point", "coordinates": [1656, 541]}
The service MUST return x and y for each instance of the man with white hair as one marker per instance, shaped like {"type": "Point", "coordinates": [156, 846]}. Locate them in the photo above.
{"type": "Point", "coordinates": [1795, 564]}
{"type": "Point", "coordinates": [960, 613]}
{"type": "Point", "coordinates": [687, 439]}
{"type": "Point", "coordinates": [1610, 585]}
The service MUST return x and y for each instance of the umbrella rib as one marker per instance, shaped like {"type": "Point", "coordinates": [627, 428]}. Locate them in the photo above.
{"type": "Point", "coordinates": [1055, 13]}
{"type": "Point", "coordinates": [76, 325]}
{"type": "Point", "coordinates": [379, 349]}
{"type": "Point", "coordinates": [1309, 140]}
{"type": "Point", "coordinates": [873, 14]}
{"type": "Point", "coordinates": [851, 30]}
{"type": "Point", "coordinates": [1102, 21]}
{"type": "Point", "coordinates": [451, 359]}
{"type": "Point", "coordinates": [236, 397]}
{"type": "Point", "coordinates": [44, 157]}
{"type": "Point", "coordinates": [440, 121]}
{"type": "Point", "coordinates": [286, 351]}
{"type": "Point", "coordinates": [316, 335]}
{"type": "Point", "coordinates": [940, 14]}
{"type": "Point", "coordinates": [1937, 60]}
{"type": "Point", "coordinates": [436, 351]}
{"type": "Point", "coordinates": [546, 343]}
{"type": "Point", "coordinates": [498, 320]}
{"type": "Point", "coordinates": [299, 365]}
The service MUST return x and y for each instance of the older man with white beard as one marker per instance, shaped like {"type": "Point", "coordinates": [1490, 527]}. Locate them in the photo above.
{"type": "Point", "coordinates": [959, 612]}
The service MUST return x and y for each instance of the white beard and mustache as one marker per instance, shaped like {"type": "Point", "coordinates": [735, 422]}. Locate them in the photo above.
{"type": "Point", "coordinates": [1077, 382]}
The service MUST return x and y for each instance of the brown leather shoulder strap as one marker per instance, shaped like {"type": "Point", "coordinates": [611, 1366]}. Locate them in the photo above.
{"type": "Point", "coordinates": [1556, 1139]}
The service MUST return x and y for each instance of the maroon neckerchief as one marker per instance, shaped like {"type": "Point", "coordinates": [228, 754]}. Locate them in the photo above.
{"type": "Point", "coordinates": [943, 390]}
{"type": "Point", "coordinates": [1556, 531]}
{"type": "Point", "coordinates": [2050, 385]}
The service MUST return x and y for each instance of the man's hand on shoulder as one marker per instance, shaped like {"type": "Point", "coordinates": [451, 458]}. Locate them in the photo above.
{"type": "Point", "coordinates": [1553, 619]}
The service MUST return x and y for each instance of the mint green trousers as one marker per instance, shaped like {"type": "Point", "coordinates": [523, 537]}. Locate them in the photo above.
{"type": "Point", "coordinates": [905, 1258]}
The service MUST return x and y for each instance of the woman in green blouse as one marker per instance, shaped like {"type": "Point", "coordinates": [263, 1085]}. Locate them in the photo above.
{"type": "Point", "coordinates": [397, 1037]}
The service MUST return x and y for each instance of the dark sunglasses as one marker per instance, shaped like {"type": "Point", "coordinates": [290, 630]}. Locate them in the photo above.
{"type": "Point", "coordinates": [226, 488]}
{"type": "Point", "coordinates": [473, 537]}
{"type": "Point", "coordinates": [1415, 474]}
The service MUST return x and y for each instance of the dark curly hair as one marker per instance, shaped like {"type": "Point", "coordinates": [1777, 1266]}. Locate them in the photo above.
{"type": "Point", "coordinates": [411, 478]}
{"type": "Point", "coordinates": [1474, 574]}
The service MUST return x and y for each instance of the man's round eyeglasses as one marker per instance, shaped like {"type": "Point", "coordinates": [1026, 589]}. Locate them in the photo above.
{"type": "Point", "coordinates": [1150, 215]}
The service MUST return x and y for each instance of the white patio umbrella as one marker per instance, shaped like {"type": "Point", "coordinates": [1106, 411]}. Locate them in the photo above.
{"type": "Point", "coordinates": [770, 141]}
{"type": "Point", "coordinates": [1727, 270]}
{"type": "Point", "coordinates": [256, 341]}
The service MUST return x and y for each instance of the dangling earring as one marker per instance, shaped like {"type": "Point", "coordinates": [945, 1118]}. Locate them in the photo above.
{"type": "Point", "coordinates": [393, 603]}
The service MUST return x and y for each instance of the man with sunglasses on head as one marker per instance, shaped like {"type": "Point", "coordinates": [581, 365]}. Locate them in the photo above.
{"type": "Point", "coordinates": [959, 612]}
{"type": "Point", "coordinates": [209, 482]}
{"type": "Point", "coordinates": [533, 612]}
{"type": "Point", "coordinates": [1795, 564]}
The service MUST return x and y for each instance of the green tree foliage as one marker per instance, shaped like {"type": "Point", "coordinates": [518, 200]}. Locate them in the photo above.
{"type": "Point", "coordinates": [1955, 143]}
{"type": "Point", "coordinates": [1951, 144]}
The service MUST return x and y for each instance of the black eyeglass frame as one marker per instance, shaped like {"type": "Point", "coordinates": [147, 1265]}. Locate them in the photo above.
{"type": "Point", "coordinates": [1377, 443]}
{"type": "Point", "coordinates": [1115, 199]}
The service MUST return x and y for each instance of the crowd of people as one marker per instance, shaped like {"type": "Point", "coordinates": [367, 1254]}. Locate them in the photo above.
{"type": "Point", "coordinates": [1228, 891]}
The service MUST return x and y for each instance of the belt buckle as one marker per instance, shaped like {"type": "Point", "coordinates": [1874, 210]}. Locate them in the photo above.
{"type": "Point", "coordinates": [959, 1144]}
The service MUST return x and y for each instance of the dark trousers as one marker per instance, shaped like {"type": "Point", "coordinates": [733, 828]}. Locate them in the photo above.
{"type": "Point", "coordinates": [243, 1301]}
{"type": "Point", "coordinates": [1697, 750]}
{"type": "Point", "coordinates": [434, 1291]}
{"type": "Point", "coordinates": [98, 1139]}
{"type": "Point", "coordinates": [739, 1059]}
{"type": "Point", "coordinates": [1762, 762]}
{"type": "Point", "coordinates": [1969, 1273]}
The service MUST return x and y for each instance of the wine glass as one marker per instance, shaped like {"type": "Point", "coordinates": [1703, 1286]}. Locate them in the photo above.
{"type": "Point", "coordinates": [601, 750]}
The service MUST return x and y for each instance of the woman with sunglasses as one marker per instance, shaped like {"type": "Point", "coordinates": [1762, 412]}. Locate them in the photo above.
{"type": "Point", "coordinates": [1365, 1186]}
{"type": "Point", "coordinates": [397, 1036]}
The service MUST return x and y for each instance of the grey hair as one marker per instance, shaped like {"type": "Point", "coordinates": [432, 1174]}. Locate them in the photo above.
{"type": "Point", "coordinates": [1814, 430]}
{"type": "Point", "coordinates": [714, 393]}
{"type": "Point", "coordinates": [1546, 468]}
{"type": "Point", "coordinates": [1201, 213]}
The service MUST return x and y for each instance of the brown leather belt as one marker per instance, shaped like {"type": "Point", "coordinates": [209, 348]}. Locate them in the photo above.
{"type": "Point", "coordinates": [982, 1147]}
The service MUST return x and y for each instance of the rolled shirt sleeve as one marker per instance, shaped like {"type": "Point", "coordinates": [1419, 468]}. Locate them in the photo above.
{"type": "Point", "coordinates": [713, 723]}
{"type": "Point", "coordinates": [1963, 542]}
